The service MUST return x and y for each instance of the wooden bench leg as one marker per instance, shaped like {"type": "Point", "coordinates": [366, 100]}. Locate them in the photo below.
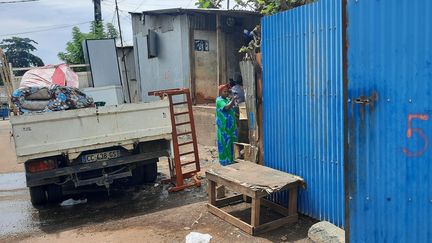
{"type": "Point", "coordinates": [255, 211]}
{"type": "Point", "coordinates": [247, 199]}
{"type": "Point", "coordinates": [212, 192]}
{"type": "Point", "coordinates": [292, 201]}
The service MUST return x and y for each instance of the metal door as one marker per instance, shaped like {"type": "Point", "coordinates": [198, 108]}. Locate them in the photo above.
{"type": "Point", "coordinates": [389, 78]}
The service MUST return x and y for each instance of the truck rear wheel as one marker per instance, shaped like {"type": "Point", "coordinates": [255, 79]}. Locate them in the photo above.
{"type": "Point", "coordinates": [150, 172]}
{"type": "Point", "coordinates": [54, 193]}
{"type": "Point", "coordinates": [144, 173]}
{"type": "Point", "coordinates": [37, 195]}
{"type": "Point", "coordinates": [137, 176]}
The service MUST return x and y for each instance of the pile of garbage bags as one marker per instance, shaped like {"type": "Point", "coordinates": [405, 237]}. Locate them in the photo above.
{"type": "Point", "coordinates": [50, 88]}
{"type": "Point", "coordinates": [48, 75]}
{"type": "Point", "coordinates": [47, 99]}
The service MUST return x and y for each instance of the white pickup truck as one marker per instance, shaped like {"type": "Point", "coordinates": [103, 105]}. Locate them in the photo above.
{"type": "Point", "coordinates": [91, 146]}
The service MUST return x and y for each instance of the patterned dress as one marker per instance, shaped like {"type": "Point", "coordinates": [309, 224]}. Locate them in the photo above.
{"type": "Point", "coordinates": [226, 130]}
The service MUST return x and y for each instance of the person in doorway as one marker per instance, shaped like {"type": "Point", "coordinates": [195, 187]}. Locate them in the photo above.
{"type": "Point", "coordinates": [226, 125]}
{"type": "Point", "coordinates": [237, 89]}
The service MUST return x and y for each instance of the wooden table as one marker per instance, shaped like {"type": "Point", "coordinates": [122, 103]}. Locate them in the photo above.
{"type": "Point", "coordinates": [254, 181]}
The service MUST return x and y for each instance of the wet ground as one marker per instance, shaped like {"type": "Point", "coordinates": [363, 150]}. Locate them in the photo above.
{"type": "Point", "coordinates": [146, 213]}
{"type": "Point", "coordinates": [20, 218]}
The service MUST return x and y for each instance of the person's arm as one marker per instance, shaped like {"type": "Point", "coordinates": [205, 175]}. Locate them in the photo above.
{"type": "Point", "coordinates": [229, 105]}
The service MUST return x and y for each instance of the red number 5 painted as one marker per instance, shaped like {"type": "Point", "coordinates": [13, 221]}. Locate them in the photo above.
{"type": "Point", "coordinates": [419, 132]}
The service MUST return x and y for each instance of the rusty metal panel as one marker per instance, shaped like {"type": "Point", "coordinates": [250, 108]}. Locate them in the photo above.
{"type": "Point", "coordinates": [303, 103]}
{"type": "Point", "coordinates": [389, 63]}
{"type": "Point", "coordinates": [249, 83]}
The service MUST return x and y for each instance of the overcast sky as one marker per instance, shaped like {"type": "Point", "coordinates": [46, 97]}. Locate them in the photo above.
{"type": "Point", "coordinates": [30, 18]}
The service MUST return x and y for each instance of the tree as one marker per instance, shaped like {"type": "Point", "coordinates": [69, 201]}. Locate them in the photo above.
{"type": "Point", "coordinates": [268, 7]}
{"type": "Point", "coordinates": [74, 52]}
{"type": "Point", "coordinates": [265, 7]}
{"type": "Point", "coordinates": [18, 52]}
{"type": "Point", "coordinates": [208, 3]}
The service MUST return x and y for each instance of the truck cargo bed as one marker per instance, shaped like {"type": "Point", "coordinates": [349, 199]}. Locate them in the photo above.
{"type": "Point", "coordinates": [73, 131]}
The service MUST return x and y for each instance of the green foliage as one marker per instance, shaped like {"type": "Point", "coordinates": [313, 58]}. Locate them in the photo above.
{"type": "Point", "coordinates": [208, 3]}
{"type": "Point", "coordinates": [18, 52]}
{"type": "Point", "coordinates": [268, 7]}
{"type": "Point", "coordinates": [111, 31]}
{"type": "Point", "coordinates": [265, 7]}
{"type": "Point", "coordinates": [74, 52]}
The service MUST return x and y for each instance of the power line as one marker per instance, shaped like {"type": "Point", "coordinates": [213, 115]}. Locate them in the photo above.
{"type": "Point", "coordinates": [122, 49]}
{"type": "Point", "coordinates": [114, 14]}
{"type": "Point", "coordinates": [139, 5]}
{"type": "Point", "coordinates": [19, 1]}
{"type": "Point", "coordinates": [48, 28]}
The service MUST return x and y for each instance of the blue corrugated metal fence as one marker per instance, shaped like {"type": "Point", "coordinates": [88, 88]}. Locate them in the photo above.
{"type": "Point", "coordinates": [303, 105]}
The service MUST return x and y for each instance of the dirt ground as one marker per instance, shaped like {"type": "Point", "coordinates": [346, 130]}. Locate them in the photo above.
{"type": "Point", "coordinates": [146, 213]}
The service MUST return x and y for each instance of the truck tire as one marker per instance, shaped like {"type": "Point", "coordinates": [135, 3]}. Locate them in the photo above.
{"type": "Point", "coordinates": [54, 193]}
{"type": "Point", "coordinates": [137, 176]}
{"type": "Point", "coordinates": [37, 195]}
{"type": "Point", "coordinates": [150, 172]}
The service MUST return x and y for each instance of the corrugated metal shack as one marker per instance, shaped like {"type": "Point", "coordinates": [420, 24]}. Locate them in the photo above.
{"type": "Point", "coordinates": [196, 48]}
{"type": "Point", "coordinates": [347, 93]}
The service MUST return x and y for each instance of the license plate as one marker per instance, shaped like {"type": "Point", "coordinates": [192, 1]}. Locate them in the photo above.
{"type": "Point", "coordinates": [101, 156]}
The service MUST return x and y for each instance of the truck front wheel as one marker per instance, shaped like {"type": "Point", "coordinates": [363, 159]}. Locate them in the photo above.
{"type": "Point", "coordinates": [37, 195]}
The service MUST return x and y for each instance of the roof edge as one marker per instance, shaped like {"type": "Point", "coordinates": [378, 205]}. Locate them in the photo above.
{"type": "Point", "coordinates": [197, 10]}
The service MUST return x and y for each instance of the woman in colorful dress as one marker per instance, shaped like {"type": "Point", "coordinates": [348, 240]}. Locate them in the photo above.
{"type": "Point", "coordinates": [226, 126]}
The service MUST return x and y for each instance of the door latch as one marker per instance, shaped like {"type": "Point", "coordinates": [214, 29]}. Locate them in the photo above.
{"type": "Point", "coordinates": [363, 100]}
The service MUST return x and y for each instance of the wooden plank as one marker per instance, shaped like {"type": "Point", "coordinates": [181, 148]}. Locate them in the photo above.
{"type": "Point", "coordinates": [275, 207]}
{"type": "Point", "coordinates": [230, 219]}
{"type": "Point", "coordinates": [212, 192]}
{"type": "Point", "coordinates": [237, 149]}
{"type": "Point", "coordinates": [229, 200]}
{"type": "Point", "coordinates": [220, 52]}
{"type": "Point", "coordinates": [275, 224]}
{"type": "Point", "coordinates": [292, 201]}
{"type": "Point", "coordinates": [250, 153]}
{"type": "Point", "coordinates": [234, 186]}
{"type": "Point", "coordinates": [258, 74]}
{"type": "Point", "coordinates": [192, 74]}
{"type": "Point", "coordinates": [255, 213]}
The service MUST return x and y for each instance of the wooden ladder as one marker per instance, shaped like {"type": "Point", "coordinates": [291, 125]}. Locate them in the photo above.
{"type": "Point", "coordinates": [179, 169]}
{"type": "Point", "coordinates": [6, 76]}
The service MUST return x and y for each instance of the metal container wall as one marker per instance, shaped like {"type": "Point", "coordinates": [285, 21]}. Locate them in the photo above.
{"type": "Point", "coordinates": [389, 61]}
{"type": "Point", "coordinates": [303, 109]}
